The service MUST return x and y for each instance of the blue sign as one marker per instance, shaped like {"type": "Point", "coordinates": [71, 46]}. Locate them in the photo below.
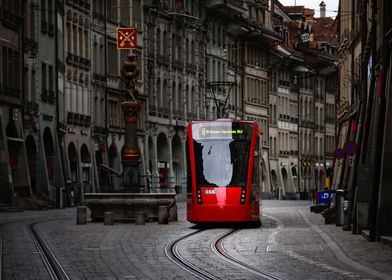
{"type": "Point", "coordinates": [324, 197]}
{"type": "Point", "coordinates": [351, 147]}
{"type": "Point", "coordinates": [340, 153]}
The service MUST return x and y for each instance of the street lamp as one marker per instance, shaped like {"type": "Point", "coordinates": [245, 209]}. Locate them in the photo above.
{"type": "Point", "coordinates": [215, 88]}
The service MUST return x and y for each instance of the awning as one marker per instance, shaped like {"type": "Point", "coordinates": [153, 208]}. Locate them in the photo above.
{"type": "Point", "coordinates": [109, 169]}
{"type": "Point", "coordinates": [15, 139]}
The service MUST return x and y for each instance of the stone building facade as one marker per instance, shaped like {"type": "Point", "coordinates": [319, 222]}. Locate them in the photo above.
{"type": "Point", "coordinates": [198, 60]}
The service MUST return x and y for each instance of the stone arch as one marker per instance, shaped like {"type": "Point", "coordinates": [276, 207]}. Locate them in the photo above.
{"type": "Point", "coordinates": [177, 153]}
{"type": "Point", "coordinates": [284, 179]}
{"type": "Point", "coordinates": [86, 167]}
{"type": "Point", "coordinates": [114, 162]}
{"type": "Point", "coordinates": [73, 162]}
{"type": "Point", "coordinates": [85, 154]}
{"type": "Point", "coordinates": [274, 182]}
{"type": "Point", "coordinates": [13, 145]}
{"type": "Point", "coordinates": [11, 130]}
{"type": "Point", "coordinates": [74, 173]}
{"type": "Point", "coordinates": [49, 153]}
{"type": "Point", "coordinates": [150, 154]}
{"type": "Point", "coordinates": [113, 155]}
{"type": "Point", "coordinates": [163, 147]}
{"type": "Point", "coordinates": [32, 159]}
{"type": "Point", "coordinates": [294, 173]}
{"type": "Point", "coordinates": [163, 160]}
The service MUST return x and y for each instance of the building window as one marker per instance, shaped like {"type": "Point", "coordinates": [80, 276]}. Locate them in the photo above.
{"type": "Point", "coordinates": [112, 59]}
{"type": "Point", "coordinates": [43, 78]}
{"type": "Point", "coordinates": [124, 12]}
{"type": "Point", "coordinates": [113, 11]}
{"type": "Point", "coordinates": [136, 14]}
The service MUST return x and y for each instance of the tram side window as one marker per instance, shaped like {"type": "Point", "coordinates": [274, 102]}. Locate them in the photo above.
{"type": "Point", "coordinates": [239, 158]}
{"type": "Point", "coordinates": [255, 175]}
{"type": "Point", "coordinates": [188, 170]}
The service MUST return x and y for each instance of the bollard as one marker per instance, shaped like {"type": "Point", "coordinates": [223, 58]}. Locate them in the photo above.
{"type": "Point", "coordinates": [81, 215]}
{"type": "Point", "coordinates": [140, 218]}
{"type": "Point", "coordinates": [173, 213]}
{"type": "Point", "coordinates": [339, 207]}
{"type": "Point", "coordinates": [108, 218]}
{"type": "Point", "coordinates": [347, 215]}
{"type": "Point", "coordinates": [163, 215]}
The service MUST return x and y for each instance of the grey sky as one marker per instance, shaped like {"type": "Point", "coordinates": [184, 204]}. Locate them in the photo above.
{"type": "Point", "coordinates": [331, 6]}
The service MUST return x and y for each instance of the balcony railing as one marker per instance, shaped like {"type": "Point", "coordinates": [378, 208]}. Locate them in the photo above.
{"type": "Point", "coordinates": [78, 61]}
{"type": "Point", "coordinates": [31, 107]}
{"type": "Point", "coordinates": [78, 119]}
{"type": "Point", "coordinates": [163, 59]}
{"type": "Point", "coordinates": [30, 44]}
{"type": "Point", "coordinates": [228, 5]}
{"type": "Point", "coordinates": [284, 83]}
{"type": "Point", "coordinates": [330, 120]}
{"type": "Point", "coordinates": [177, 64]}
{"type": "Point", "coordinates": [11, 20]}
{"type": "Point", "coordinates": [191, 67]}
{"type": "Point", "coordinates": [100, 130]}
{"type": "Point", "coordinates": [99, 77]}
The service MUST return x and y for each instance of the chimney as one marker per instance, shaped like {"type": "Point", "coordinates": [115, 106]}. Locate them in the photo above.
{"type": "Point", "coordinates": [322, 9]}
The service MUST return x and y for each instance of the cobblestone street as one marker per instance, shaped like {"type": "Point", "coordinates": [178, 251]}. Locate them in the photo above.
{"type": "Point", "coordinates": [291, 244]}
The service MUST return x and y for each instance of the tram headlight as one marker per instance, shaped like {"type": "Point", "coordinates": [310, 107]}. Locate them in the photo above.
{"type": "Point", "coordinates": [243, 192]}
{"type": "Point", "coordinates": [198, 194]}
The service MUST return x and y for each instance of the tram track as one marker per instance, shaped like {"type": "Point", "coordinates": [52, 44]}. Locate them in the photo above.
{"type": "Point", "coordinates": [218, 248]}
{"type": "Point", "coordinates": [1, 251]}
{"type": "Point", "coordinates": [172, 252]}
{"type": "Point", "coordinates": [54, 267]}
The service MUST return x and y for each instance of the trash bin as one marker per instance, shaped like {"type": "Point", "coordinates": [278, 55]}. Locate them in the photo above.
{"type": "Point", "coordinates": [339, 199]}
{"type": "Point", "coordinates": [60, 196]}
{"type": "Point", "coordinates": [347, 215]}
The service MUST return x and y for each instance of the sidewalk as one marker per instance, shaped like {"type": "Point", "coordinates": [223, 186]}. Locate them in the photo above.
{"type": "Point", "coordinates": [374, 255]}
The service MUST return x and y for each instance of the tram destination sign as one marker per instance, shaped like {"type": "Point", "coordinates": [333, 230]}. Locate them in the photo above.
{"type": "Point", "coordinates": [212, 131]}
{"type": "Point", "coordinates": [222, 130]}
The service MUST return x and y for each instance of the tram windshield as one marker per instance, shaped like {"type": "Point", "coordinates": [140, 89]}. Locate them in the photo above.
{"type": "Point", "coordinates": [221, 151]}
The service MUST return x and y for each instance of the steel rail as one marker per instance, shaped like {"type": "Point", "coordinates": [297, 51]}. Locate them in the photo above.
{"type": "Point", "coordinates": [1, 251]}
{"type": "Point", "coordinates": [172, 252]}
{"type": "Point", "coordinates": [217, 247]}
{"type": "Point", "coordinates": [54, 267]}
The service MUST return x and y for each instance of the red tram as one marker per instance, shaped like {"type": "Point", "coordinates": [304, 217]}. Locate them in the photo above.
{"type": "Point", "coordinates": [223, 172]}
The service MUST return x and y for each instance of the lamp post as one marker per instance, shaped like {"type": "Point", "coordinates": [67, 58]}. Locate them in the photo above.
{"type": "Point", "coordinates": [130, 153]}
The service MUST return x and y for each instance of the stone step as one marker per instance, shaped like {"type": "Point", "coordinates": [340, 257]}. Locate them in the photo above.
{"type": "Point", "coordinates": [10, 209]}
